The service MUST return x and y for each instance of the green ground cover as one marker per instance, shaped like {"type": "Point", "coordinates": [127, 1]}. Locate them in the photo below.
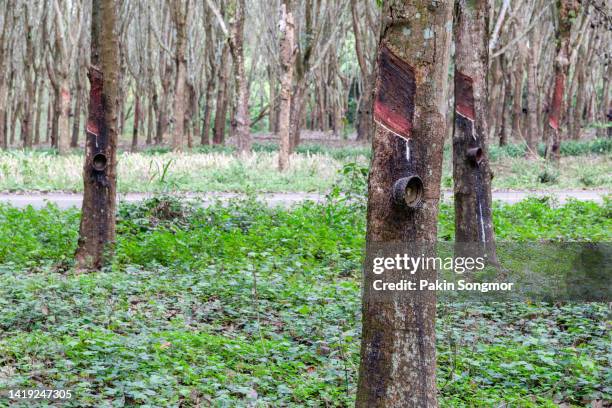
{"type": "Point", "coordinates": [249, 306]}
{"type": "Point", "coordinates": [314, 168]}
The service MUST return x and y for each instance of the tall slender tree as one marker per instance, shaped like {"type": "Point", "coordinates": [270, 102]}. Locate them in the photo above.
{"type": "Point", "coordinates": [236, 41]}
{"type": "Point", "coordinates": [180, 16]}
{"type": "Point", "coordinates": [567, 11]}
{"type": "Point", "coordinates": [398, 360]}
{"type": "Point", "coordinates": [471, 171]}
{"type": "Point", "coordinates": [287, 55]}
{"type": "Point", "coordinates": [97, 229]}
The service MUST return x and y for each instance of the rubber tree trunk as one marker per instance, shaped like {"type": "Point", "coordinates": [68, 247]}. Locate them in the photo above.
{"type": "Point", "coordinates": [3, 114]}
{"type": "Point", "coordinates": [567, 11]}
{"type": "Point", "coordinates": [76, 124]}
{"type": "Point", "coordinates": [179, 14]}
{"type": "Point", "coordinates": [137, 120]}
{"type": "Point", "coordinates": [398, 360]}
{"type": "Point", "coordinates": [210, 89]}
{"type": "Point", "coordinates": [222, 91]}
{"type": "Point", "coordinates": [39, 110]}
{"type": "Point", "coordinates": [97, 229]}
{"type": "Point", "coordinates": [287, 45]}
{"type": "Point", "coordinates": [531, 135]}
{"type": "Point", "coordinates": [364, 110]}
{"type": "Point", "coordinates": [63, 122]}
{"type": "Point", "coordinates": [242, 117]}
{"type": "Point", "coordinates": [471, 170]}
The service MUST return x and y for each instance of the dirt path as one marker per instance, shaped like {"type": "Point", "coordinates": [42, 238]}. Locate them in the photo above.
{"type": "Point", "coordinates": [67, 200]}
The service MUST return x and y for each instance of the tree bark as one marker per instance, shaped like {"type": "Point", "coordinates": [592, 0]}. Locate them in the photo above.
{"type": "Point", "coordinates": [137, 119]}
{"type": "Point", "coordinates": [63, 129]}
{"type": "Point", "coordinates": [471, 171]}
{"type": "Point", "coordinates": [567, 10]}
{"type": "Point", "coordinates": [243, 120]}
{"type": "Point", "coordinates": [3, 115]}
{"type": "Point", "coordinates": [39, 110]}
{"type": "Point", "coordinates": [398, 362]}
{"type": "Point", "coordinates": [364, 110]}
{"type": "Point", "coordinates": [97, 229]}
{"type": "Point", "coordinates": [27, 123]}
{"type": "Point", "coordinates": [287, 54]}
{"type": "Point", "coordinates": [179, 14]}
{"type": "Point", "coordinates": [76, 124]}
{"type": "Point", "coordinates": [532, 133]}
{"type": "Point", "coordinates": [222, 90]}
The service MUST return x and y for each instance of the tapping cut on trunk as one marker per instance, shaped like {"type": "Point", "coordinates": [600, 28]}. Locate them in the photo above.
{"type": "Point", "coordinates": [394, 100]}
{"type": "Point", "coordinates": [464, 95]}
{"type": "Point", "coordinates": [96, 123]}
{"type": "Point", "coordinates": [557, 102]}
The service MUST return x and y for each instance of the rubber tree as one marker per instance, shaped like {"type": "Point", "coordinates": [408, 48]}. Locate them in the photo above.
{"type": "Point", "coordinates": [97, 229]}
{"type": "Point", "coordinates": [180, 16]}
{"type": "Point", "coordinates": [236, 42]}
{"type": "Point", "coordinates": [471, 170]}
{"type": "Point", "coordinates": [287, 56]}
{"type": "Point", "coordinates": [398, 360]}
{"type": "Point", "coordinates": [567, 11]}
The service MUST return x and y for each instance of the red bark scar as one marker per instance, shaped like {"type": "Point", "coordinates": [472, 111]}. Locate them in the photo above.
{"type": "Point", "coordinates": [394, 99]}
{"type": "Point", "coordinates": [464, 95]}
{"type": "Point", "coordinates": [557, 101]}
{"type": "Point", "coordinates": [95, 120]}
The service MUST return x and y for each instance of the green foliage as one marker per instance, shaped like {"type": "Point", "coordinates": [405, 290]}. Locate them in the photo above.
{"type": "Point", "coordinates": [568, 148]}
{"type": "Point", "coordinates": [234, 304]}
{"type": "Point", "coordinates": [314, 167]}
{"type": "Point", "coordinates": [548, 175]}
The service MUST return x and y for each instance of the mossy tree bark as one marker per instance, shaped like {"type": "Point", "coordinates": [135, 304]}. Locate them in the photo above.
{"type": "Point", "coordinates": [398, 361]}
{"type": "Point", "coordinates": [97, 229]}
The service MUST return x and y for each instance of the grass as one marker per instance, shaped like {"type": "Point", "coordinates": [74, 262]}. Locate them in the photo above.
{"type": "Point", "coordinates": [313, 168]}
{"type": "Point", "coordinates": [243, 305]}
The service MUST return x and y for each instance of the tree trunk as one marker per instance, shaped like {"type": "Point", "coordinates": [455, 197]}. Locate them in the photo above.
{"type": "Point", "coordinates": [364, 110]}
{"type": "Point", "coordinates": [27, 123]}
{"type": "Point", "coordinates": [3, 100]}
{"type": "Point", "coordinates": [273, 111]}
{"type": "Point", "coordinates": [137, 120]}
{"type": "Point", "coordinates": [55, 116]}
{"type": "Point", "coordinates": [243, 120]}
{"type": "Point", "coordinates": [180, 96]}
{"type": "Point", "coordinates": [296, 115]}
{"type": "Point", "coordinates": [567, 10]}
{"type": "Point", "coordinates": [150, 116]}
{"type": "Point", "coordinates": [398, 361]}
{"type": "Point", "coordinates": [50, 113]}
{"type": "Point", "coordinates": [76, 124]}
{"type": "Point", "coordinates": [287, 55]}
{"type": "Point", "coordinates": [63, 129]}
{"type": "Point", "coordinates": [97, 229]}
{"type": "Point", "coordinates": [471, 171]}
{"type": "Point", "coordinates": [210, 89]}
{"type": "Point", "coordinates": [222, 90]}
{"type": "Point", "coordinates": [531, 136]}
{"type": "Point", "coordinates": [39, 109]}
{"type": "Point", "coordinates": [3, 113]}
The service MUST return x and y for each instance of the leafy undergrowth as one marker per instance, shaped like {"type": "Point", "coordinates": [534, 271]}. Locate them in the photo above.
{"type": "Point", "coordinates": [313, 168]}
{"type": "Point", "coordinates": [249, 306]}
